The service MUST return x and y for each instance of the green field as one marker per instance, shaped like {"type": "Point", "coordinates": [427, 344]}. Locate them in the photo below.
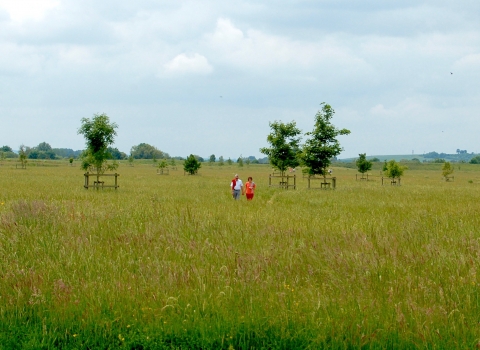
{"type": "Point", "coordinates": [173, 262]}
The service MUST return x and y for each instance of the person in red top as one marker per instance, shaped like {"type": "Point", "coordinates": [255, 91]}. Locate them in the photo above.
{"type": "Point", "coordinates": [250, 188]}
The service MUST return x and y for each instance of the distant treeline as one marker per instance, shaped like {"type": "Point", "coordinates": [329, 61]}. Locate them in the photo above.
{"type": "Point", "coordinates": [140, 151]}
{"type": "Point", "coordinates": [460, 156]}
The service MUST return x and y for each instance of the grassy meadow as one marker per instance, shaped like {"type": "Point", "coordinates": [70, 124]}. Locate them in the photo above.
{"type": "Point", "coordinates": [173, 262]}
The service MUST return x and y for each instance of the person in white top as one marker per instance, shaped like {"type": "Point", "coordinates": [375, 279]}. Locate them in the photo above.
{"type": "Point", "coordinates": [237, 187]}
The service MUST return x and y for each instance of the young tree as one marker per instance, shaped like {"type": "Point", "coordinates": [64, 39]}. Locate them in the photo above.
{"type": "Point", "coordinates": [322, 145]}
{"type": "Point", "coordinates": [385, 165]}
{"type": "Point", "coordinates": [163, 164]}
{"type": "Point", "coordinates": [394, 170]}
{"type": "Point", "coordinates": [99, 133]}
{"type": "Point", "coordinates": [229, 161]}
{"type": "Point", "coordinates": [284, 146]}
{"type": "Point", "coordinates": [447, 169]}
{"type": "Point", "coordinates": [240, 161]}
{"type": "Point", "coordinates": [220, 160]}
{"type": "Point", "coordinates": [70, 160]}
{"type": "Point", "coordinates": [191, 165]}
{"type": "Point", "coordinates": [130, 160]}
{"type": "Point", "coordinates": [22, 156]}
{"type": "Point", "coordinates": [172, 162]}
{"type": "Point", "coordinates": [363, 165]}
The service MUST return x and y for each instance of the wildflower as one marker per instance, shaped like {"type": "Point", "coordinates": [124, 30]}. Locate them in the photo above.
{"type": "Point", "coordinates": [75, 335]}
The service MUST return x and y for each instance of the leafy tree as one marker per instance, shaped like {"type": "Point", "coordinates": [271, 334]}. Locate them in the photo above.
{"type": "Point", "coordinates": [447, 169]}
{"type": "Point", "coordinates": [385, 166]}
{"type": "Point", "coordinates": [322, 145]}
{"type": "Point", "coordinates": [146, 151]}
{"type": "Point", "coordinates": [191, 165]}
{"type": "Point", "coordinates": [22, 156]}
{"type": "Point", "coordinates": [130, 160]}
{"type": "Point", "coordinates": [229, 161]}
{"type": "Point", "coordinates": [247, 161]}
{"type": "Point", "coordinates": [99, 133]}
{"type": "Point", "coordinates": [363, 165]}
{"type": "Point", "coordinates": [6, 149]}
{"type": "Point", "coordinates": [475, 160]}
{"type": "Point", "coordinates": [220, 160]}
{"type": "Point", "coordinates": [240, 161]}
{"type": "Point", "coordinates": [172, 162]}
{"type": "Point", "coordinates": [116, 154]}
{"type": "Point", "coordinates": [212, 159]}
{"type": "Point", "coordinates": [284, 147]}
{"type": "Point", "coordinates": [70, 160]}
{"type": "Point", "coordinates": [66, 152]}
{"type": "Point", "coordinates": [163, 164]}
{"type": "Point", "coordinates": [374, 160]}
{"type": "Point", "coordinates": [35, 154]}
{"type": "Point", "coordinates": [394, 170]}
{"type": "Point", "coordinates": [44, 147]}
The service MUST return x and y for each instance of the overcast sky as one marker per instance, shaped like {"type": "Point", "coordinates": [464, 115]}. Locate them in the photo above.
{"type": "Point", "coordinates": [207, 77]}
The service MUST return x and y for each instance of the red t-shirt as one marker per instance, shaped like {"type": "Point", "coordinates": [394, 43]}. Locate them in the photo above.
{"type": "Point", "coordinates": [250, 187]}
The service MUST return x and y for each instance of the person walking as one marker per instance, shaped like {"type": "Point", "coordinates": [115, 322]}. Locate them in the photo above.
{"type": "Point", "coordinates": [250, 187]}
{"type": "Point", "coordinates": [237, 187]}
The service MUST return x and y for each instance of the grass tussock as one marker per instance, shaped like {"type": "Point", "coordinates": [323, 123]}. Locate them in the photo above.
{"type": "Point", "coordinates": [173, 262]}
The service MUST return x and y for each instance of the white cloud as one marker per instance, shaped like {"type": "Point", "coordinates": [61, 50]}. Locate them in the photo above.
{"type": "Point", "coordinates": [255, 49]}
{"type": "Point", "coordinates": [78, 55]}
{"type": "Point", "coordinates": [468, 62]}
{"type": "Point", "coordinates": [195, 63]}
{"type": "Point", "coordinates": [21, 10]}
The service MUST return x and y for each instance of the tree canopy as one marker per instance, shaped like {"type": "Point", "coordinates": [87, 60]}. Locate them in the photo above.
{"type": "Point", "coordinates": [475, 160]}
{"type": "Point", "coordinates": [322, 145]}
{"type": "Point", "coordinates": [284, 147]}
{"type": "Point", "coordinates": [191, 165]}
{"type": "Point", "coordinates": [99, 134]}
{"type": "Point", "coordinates": [44, 147]}
{"type": "Point", "coordinates": [394, 170]}
{"type": "Point", "coordinates": [363, 165]}
{"type": "Point", "coordinates": [146, 151]}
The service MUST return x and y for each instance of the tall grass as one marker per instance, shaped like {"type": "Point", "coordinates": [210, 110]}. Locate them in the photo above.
{"type": "Point", "coordinates": [173, 262]}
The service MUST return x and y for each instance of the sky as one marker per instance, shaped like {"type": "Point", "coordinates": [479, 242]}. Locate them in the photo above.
{"type": "Point", "coordinates": [206, 77]}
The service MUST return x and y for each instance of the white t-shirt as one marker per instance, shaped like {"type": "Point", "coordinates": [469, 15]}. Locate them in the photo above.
{"type": "Point", "coordinates": [238, 184]}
